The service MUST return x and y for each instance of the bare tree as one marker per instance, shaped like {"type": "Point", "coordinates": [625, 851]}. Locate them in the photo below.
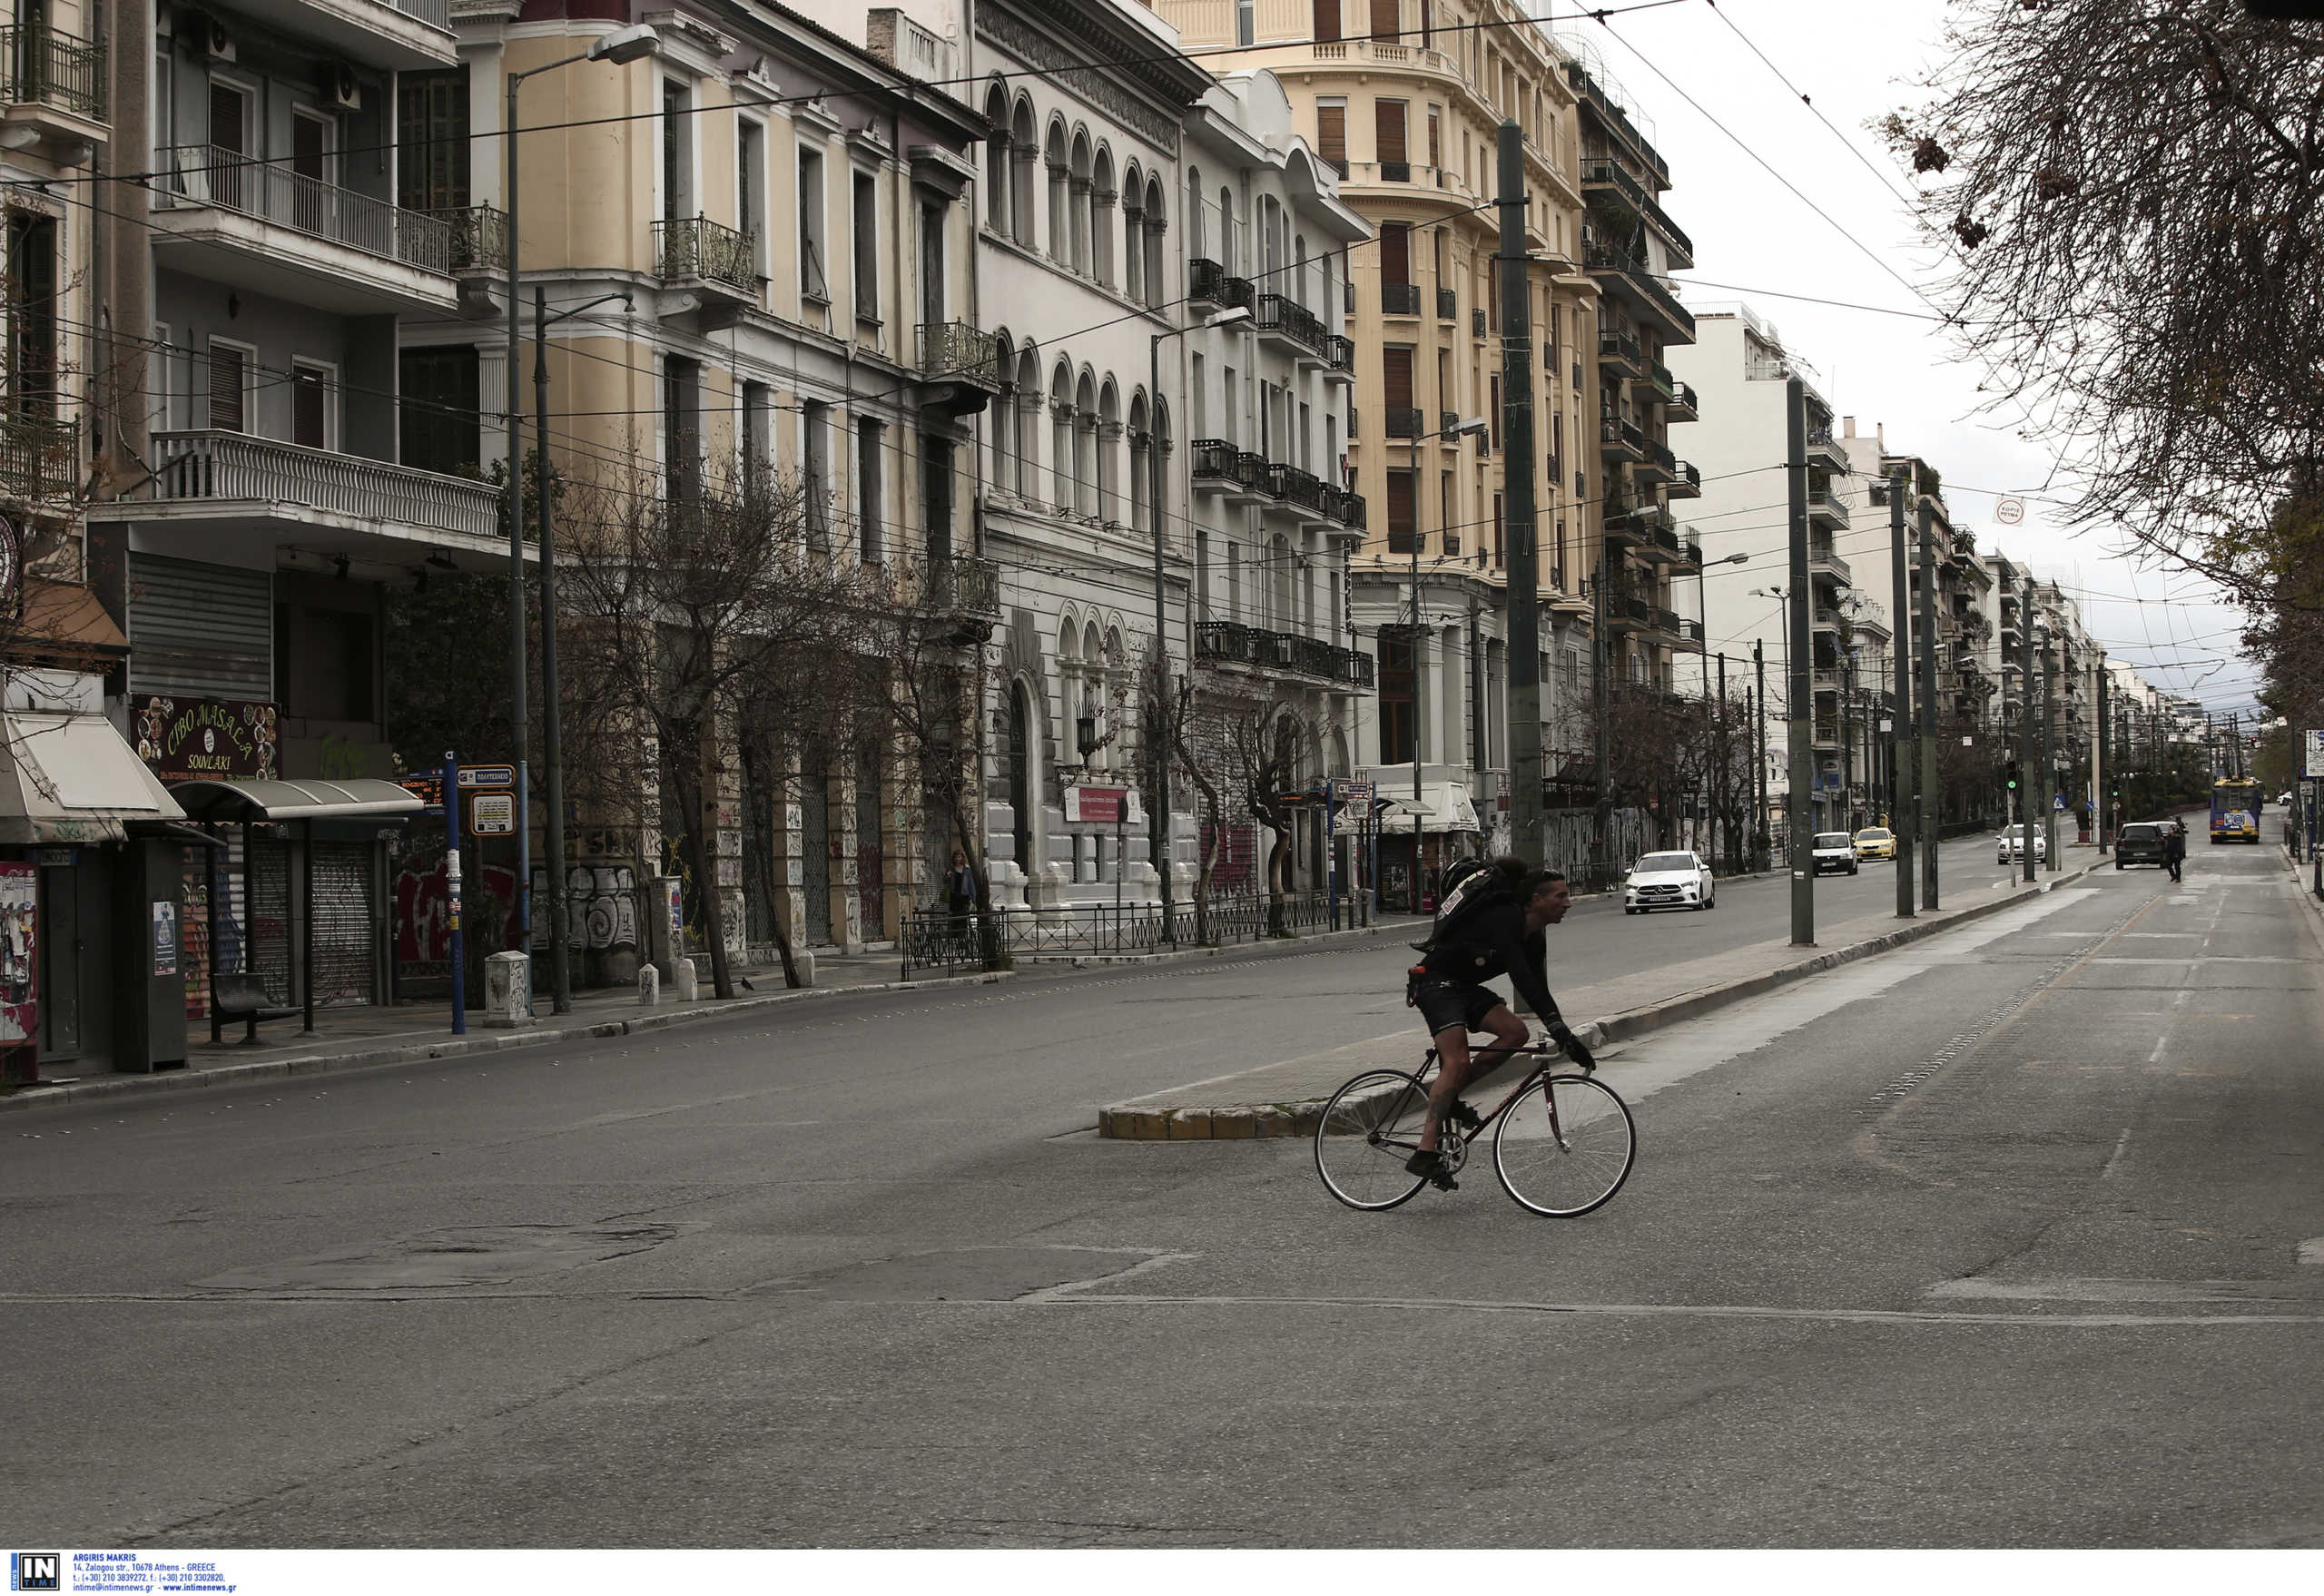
{"type": "Point", "coordinates": [2132, 196]}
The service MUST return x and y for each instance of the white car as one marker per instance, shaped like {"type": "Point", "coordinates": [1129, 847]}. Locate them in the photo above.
{"type": "Point", "coordinates": [1834, 852]}
{"type": "Point", "coordinates": [2009, 848]}
{"type": "Point", "coordinates": [1669, 881]}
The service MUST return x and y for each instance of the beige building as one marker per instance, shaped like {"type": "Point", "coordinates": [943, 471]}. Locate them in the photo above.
{"type": "Point", "coordinates": [1409, 112]}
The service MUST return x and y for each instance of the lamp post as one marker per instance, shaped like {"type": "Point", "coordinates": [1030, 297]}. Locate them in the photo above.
{"type": "Point", "coordinates": [616, 48]}
{"type": "Point", "coordinates": [1160, 837]}
{"type": "Point", "coordinates": [560, 979]}
{"type": "Point", "coordinates": [1470, 427]}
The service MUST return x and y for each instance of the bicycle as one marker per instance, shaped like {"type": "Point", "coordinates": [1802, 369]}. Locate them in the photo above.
{"type": "Point", "coordinates": [1564, 1153]}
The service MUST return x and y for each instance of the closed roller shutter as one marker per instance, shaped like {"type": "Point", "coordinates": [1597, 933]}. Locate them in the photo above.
{"type": "Point", "coordinates": [347, 924]}
{"type": "Point", "coordinates": [201, 631]}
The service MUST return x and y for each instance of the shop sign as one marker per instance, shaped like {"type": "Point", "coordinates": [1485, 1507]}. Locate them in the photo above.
{"type": "Point", "coordinates": [1097, 805]}
{"type": "Point", "coordinates": [190, 739]}
{"type": "Point", "coordinates": [19, 954]}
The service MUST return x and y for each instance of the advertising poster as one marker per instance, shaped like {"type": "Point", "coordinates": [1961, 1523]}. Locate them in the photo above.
{"type": "Point", "coordinates": [19, 955]}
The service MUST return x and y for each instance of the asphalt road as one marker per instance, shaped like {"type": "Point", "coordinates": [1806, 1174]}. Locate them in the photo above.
{"type": "Point", "coordinates": [2010, 1238]}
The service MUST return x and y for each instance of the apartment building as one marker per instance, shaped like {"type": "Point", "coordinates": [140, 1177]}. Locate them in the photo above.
{"type": "Point", "coordinates": [1740, 366]}
{"type": "Point", "coordinates": [1629, 246]}
{"type": "Point", "coordinates": [1406, 98]}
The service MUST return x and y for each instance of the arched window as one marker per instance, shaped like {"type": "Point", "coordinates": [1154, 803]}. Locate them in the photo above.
{"type": "Point", "coordinates": [1003, 418]}
{"type": "Point", "coordinates": [1134, 233]}
{"type": "Point", "coordinates": [1061, 436]}
{"type": "Point", "coordinates": [1021, 772]}
{"type": "Point", "coordinates": [1230, 256]}
{"type": "Point", "coordinates": [1084, 446]}
{"type": "Point", "coordinates": [1156, 221]}
{"type": "Point", "coordinates": [1080, 202]}
{"type": "Point", "coordinates": [1195, 232]}
{"type": "Point", "coordinates": [1141, 464]}
{"type": "Point", "coordinates": [1069, 691]}
{"type": "Point", "coordinates": [1109, 444]}
{"type": "Point", "coordinates": [1025, 416]}
{"type": "Point", "coordinates": [1161, 441]}
{"type": "Point", "coordinates": [1104, 217]}
{"type": "Point", "coordinates": [1060, 223]}
{"type": "Point", "coordinates": [1024, 150]}
{"type": "Point", "coordinates": [997, 158]}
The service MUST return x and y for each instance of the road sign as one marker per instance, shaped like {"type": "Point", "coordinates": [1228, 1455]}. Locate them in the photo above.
{"type": "Point", "coordinates": [1352, 792]}
{"type": "Point", "coordinates": [2010, 511]}
{"type": "Point", "coordinates": [427, 786]}
{"type": "Point", "coordinates": [492, 814]}
{"type": "Point", "coordinates": [2058, 803]}
{"type": "Point", "coordinates": [2313, 748]}
{"type": "Point", "coordinates": [487, 775]}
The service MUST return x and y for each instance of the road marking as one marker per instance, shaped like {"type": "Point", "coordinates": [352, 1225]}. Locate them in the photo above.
{"type": "Point", "coordinates": [2122, 1142]}
{"type": "Point", "coordinates": [1907, 1317]}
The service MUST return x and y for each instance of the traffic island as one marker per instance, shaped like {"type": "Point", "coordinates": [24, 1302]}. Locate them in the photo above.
{"type": "Point", "coordinates": [1287, 1099]}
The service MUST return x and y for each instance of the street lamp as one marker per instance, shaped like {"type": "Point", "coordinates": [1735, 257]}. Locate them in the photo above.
{"type": "Point", "coordinates": [616, 48]}
{"type": "Point", "coordinates": [560, 983]}
{"type": "Point", "coordinates": [1469, 426]}
{"type": "Point", "coordinates": [1160, 838]}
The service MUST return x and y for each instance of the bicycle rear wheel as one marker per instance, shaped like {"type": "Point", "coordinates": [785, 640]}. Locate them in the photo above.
{"type": "Point", "coordinates": [1370, 1126]}
{"type": "Point", "coordinates": [1565, 1146]}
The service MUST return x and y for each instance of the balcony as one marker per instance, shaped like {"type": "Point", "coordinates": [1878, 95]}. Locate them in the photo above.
{"type": "Point", "coordinates": [1685, 482]}
{"type": "Point", "coordinates": [1299, 491]}
{"type": "Point", "coordinates": [959, 366]}
{"type": "Point", "coordinates": [701, 254]}
{"type": "Point", "coordinates": [1339, 358]}
{"type": "Point", "coordinates": [1681, 405]}
{"type": "Point", "coordinates": [1237, 293]}
{"type": "Point", "coordinates": [1658, 377]}
{"type": "Point", "coordinates": [1400, 299]}
{"type": "Point", "coordinates": [1214, 463]}
{"type": "Point", "coordinates": [1824, 449]}
{"type": "Point", "coordinates": [1620, 353]}
{"type": "Point", "coordinates": [1233, 644]}
{"type": "Point", "coordinates": [407, 35]}
{"type": "Point", "coordinates": [1823, 560]}
{"type": "Point", "coordinates": [1621, 441]}
{"type": "Point", "coordinates": [248, 223]}
{"type": "Point", "coordinates": [208, 482]}
{"type": "Point", "coordinates": [52, 89]}
{"type": "Point", "coordinates": [1826, 508]}
{"type": "Point", "coordinates": [1658, 466]}
{"type": "Point", "coordinates": [1632, 279]}
{"type": "Point", "coordinates": [955, 585]}
{"type": "Point", "coordinates": [1205, 281]}
{"type": "Point", "coordinates": [1404, 423]}
{"type": "Point", "coordinates": [1660, 545]}
{"type": "Point", "coordinates": [1626, 614]}
{"type": "Point", "coordinates": [1376, 53]}
{"type": "Point", "coordinates": [1826, 736]}
{"type": "Point", "coordinates": [39, 460]}
{"type": "Point", "coordinates": [1348, 508]}
{"type": "Point", "coordinates": [1253, 479]}
{"type": "Point", "coordinates": [1613, 178]}
{"type": "Point", "coordinates": [1476, 323]}
{"type": "Point", "coordinates": [1288, 324]}
{"type": "Point", "coordinates": [1448, 305]}
{"type": "Point", "coordinates": [1826, 620]}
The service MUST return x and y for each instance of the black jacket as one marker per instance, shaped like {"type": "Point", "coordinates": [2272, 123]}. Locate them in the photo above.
{"type": "Point", "coordinates": [1493, 941]}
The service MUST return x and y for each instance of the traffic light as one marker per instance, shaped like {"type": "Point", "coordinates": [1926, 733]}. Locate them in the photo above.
{"type": "Point", "coordinates": [2012, 775]}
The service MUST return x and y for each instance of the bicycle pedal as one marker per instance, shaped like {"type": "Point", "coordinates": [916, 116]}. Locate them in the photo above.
{"type": "Point", "coordinates": [1442, 1181]}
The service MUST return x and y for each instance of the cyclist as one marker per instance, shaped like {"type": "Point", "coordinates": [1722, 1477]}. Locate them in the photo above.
{"type": "Point", "coordinates": [1496, 931]}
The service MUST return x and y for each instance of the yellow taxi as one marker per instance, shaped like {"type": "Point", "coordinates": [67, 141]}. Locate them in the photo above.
{"type": "Point", "coordinates": [1875, 843]}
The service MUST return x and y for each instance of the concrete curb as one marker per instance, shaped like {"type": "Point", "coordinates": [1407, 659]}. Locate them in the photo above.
{"type": "Point", "coordinates": [113, 1086]}
{"type": "Point", "coordinates": [1126, 1123]}
{"type": "Point", "coordinates": [1094, 961]}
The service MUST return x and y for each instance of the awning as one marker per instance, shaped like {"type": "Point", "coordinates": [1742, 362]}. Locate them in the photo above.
{"type": "Point", "coordinates": [1445, 806]}
{"type": "Point", "coordinates": [235, 798]}
{"type": "Point", "coordinates": [72, 778]}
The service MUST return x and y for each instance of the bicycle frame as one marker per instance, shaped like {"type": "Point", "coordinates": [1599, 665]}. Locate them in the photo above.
{"type": "Point", "coordinates": [1541, 1051]}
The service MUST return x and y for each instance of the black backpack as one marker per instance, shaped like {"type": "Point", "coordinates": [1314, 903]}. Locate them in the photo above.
{"type": "Point", "coordinates": [1468, 886]}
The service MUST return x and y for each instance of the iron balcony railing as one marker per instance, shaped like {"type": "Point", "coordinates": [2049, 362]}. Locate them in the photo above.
{"type": "Point", "coordinates": [1640, 276]}
{"type": "Point", "coordinates": [1400, 299]}
{"type": "Point", "coordinates": [1348, 510]}
{"type": "Point", "coordinates": [44, 67]}
{"type": "Point", "coordinates": [1236, 292]}
{"type": "Point", "coordinates": [1205, 281]}
{"type": "Point", "coordinates": [202, 176]}
{"type": "Point", "coordinates": [1448, 305]}
{"type": "Point", "coordinates": [437, 13]}
{"type": "Point", "coordinates": [1253, 474]}
{"type": "Point", "coordinates": [1476, 323]}
{"type": "Point", "coordinates": [1234, 642]}
{"type": "Point", "coordinates": [1686, 481]}
{"type": "Point", "coordinates": [1289, 319]}
{"type": "Point", "coordinates": [697, 247]}
{"type": "Point", "coordinates": [1620, 348]}
{"type": "Point", "coordinates": [1403, 421]}
{"type": "Point", "coordinates": [479, 237]}
{"type": "Point", "coordinates": [213, 464]}
{"type": "Point", "coordinates": [1661, 457]}
{"type": "Point", "coordinates": [955, 349]}
{"type": "Point", "coordinates": [958, 584]}
{"type": "Point", "coordinates": [1301, 489]}
{"type": "Point", "coordinates": [1214, 459]}
{"type": "Point", "coordinates": [38, 458]}
{"type": "Point", "coordinates": [1339, 353]}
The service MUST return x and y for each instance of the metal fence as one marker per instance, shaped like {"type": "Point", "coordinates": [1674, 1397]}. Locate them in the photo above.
{"type": "Point", "coordinates": [40, 64]}
{"type": "Point", "coordinates": [935, 941]}
{"type": "Point", "coordinates": [204, 175]}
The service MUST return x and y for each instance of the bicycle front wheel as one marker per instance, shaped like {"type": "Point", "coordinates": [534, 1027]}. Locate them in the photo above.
{"type": "Point", "coordinates": [1370, 1126]}
{"type": "Point", "coordinates": [1565, 1146]}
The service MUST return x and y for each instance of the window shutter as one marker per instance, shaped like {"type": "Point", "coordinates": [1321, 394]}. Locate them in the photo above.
{"type": "Point", "coordinates": [1396, 252]}
{"type": "Point", "coordinates": [1388, 127]}
{"type": "Point", "coordinates": [1396, 375]}
{"type": "Point", "coordinates": [226, 379]}
{"type": "Point", "coordinates": [1330, 134]}
{"type": "Point", "coordinates": [1385, 22]}
{"type": "Point", "coordinates": [1327, 21]}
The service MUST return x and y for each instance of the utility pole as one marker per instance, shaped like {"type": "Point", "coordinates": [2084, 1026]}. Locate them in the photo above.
{"type": "Point", "coordinates": [1902, 646]}
{"type": "Point", "coordinates": [2030, 788]}
{"type": "Point", "coordinates": [1929, 792]}
{"type": "Point", "coordinates": [2049, 772]}
{"type": "Point", "coordinates": [1759, 748]}
{"type": "Point", "coordinates": [1801, 702]}
{"type": "Point", "coordinates": [1527, 824]}
{"type": "Point", "coordinates": [1726, 765]}
{"type": "Point", "coordinates": [2102, 783]}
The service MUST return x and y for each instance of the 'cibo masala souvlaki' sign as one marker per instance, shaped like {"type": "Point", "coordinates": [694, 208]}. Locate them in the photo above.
{"type": "Point", "coordinates": [183, 739]}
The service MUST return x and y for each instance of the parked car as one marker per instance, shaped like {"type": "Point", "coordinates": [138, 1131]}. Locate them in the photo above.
{"type": "Point", "coordinates": [1833, 851]}
{"type": "Point", "coordinates": [2141, 843]}
{"type": "Point", "coordinates": [1875, 843]}
{"type": "Point", "coordinates": [2009, 848]}
{"type": "Point", "coordinates": [1669, 881]}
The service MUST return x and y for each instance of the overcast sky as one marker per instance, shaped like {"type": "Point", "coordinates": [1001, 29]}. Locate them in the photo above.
{"type": "Point", "coordinates": [1754, 239]}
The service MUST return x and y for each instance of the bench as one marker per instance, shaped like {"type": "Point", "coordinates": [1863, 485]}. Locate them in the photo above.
{"type": "Point", "coordinates": [244, 998]}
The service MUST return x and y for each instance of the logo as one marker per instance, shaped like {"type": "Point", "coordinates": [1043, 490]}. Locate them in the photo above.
{"type": "Point", "coordinates": [36, 1571]}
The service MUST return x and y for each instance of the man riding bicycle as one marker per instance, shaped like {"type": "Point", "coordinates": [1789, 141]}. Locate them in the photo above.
{"type": "Point", "coordinates": [1494, 927]}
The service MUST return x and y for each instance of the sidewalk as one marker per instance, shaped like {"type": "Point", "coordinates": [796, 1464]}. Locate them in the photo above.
{"type": "Point", "coordinates": [1287, 1099]}
{"type": "Point", "coordinates": [351, 1039]}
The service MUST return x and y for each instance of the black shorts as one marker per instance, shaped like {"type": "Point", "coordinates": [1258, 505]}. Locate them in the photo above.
{"type": "Point", "coordinates": [1444, 1004]}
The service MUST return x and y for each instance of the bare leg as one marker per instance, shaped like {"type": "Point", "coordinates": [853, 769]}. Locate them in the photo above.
{"type": "Point", "coordinates": [1509, 1034]}
{"type": "Point", "coordinates": [1452, 1074]}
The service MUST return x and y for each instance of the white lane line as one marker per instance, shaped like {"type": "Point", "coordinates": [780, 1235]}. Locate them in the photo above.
{"type": "Point", "coordinates": [2122, 1142]}
{"type": "Point", "coordinates": [1671, 1311]}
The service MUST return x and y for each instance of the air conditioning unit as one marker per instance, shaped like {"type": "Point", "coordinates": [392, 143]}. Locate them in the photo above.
{"type": "Point", "coordinates": [339, 83]}
{"type": "Point", "coordinates": [217, 44]}
{"type": "Point", "coordinates": [1589, 236]}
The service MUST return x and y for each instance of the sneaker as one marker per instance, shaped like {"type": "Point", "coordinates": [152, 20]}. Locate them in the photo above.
{"type": "Point", "coordinates": [1431, 1165]}
{"type": "Point", "coordinates": [1463, 1116]}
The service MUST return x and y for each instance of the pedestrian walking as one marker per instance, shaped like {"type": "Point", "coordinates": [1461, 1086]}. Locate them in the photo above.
{"type": "Point", "coordinates": [2174, 847]}
{"type": "Point", "coordinates": [959, 898]}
